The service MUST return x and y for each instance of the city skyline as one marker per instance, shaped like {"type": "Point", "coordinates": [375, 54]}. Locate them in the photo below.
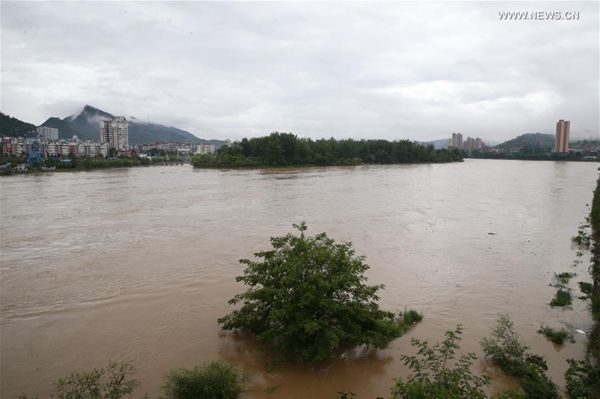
{"type": "Point", "coordinates": [248, 69]}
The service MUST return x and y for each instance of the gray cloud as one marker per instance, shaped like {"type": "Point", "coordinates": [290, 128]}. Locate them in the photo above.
{"type": "Point", "coordinates": [371, 70]}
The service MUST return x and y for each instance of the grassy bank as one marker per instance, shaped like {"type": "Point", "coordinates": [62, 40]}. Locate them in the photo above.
{"type": "Point", "coordinates": [594, 338]}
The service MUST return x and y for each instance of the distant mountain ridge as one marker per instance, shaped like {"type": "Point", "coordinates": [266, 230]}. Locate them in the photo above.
{"type": "Point", "coordinates": [14, 127]}
{"type": "Point", "coordinates": [86, 126]}
{"type": "Point", "coordinates": [529, 140]}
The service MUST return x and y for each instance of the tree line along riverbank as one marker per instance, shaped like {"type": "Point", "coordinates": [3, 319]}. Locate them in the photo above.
{"type": "Point", "coordinates": [289, 150]}
{"type": "Point", "coordinates": [14, 165]}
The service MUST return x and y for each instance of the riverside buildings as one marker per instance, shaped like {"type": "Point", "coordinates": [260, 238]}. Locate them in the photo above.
{"type": "Point", "coordinates": [561, 142]}
{"type": "Point", "coordinates": [115, 133]}
{"type": "Point", "coordinates": [456, 141]}
{"type": "Point", "coordinates": [47, 133]}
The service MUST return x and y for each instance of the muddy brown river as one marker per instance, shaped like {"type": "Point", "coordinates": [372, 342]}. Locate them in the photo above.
{"type": "Point", "coordinates": [137, 264]}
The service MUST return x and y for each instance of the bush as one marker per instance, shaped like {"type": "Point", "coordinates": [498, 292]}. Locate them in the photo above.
{"type": "Point", "coordinates": [435, 377]}
{"type": "Point", "coordinates": [215, 380]}
{"type": "Point", "coordinates": [564, 278]}
{"type": "Point", "coordinates": [407, 319]}
{"type": "Point", "coordinates": [505, 350]}
{"type": "Point", "coordinates": [583, 379]}
{"type": "Point", "coordinates": [556, 336]}
{"type": "Point", "coordinates": [562, 298]}
{"type": "Point", "coordinates": [110, 382]}
{"type": "Point", "coordinates": [308, 299]}
{"type": "Point", "coordinates": [586, 288]}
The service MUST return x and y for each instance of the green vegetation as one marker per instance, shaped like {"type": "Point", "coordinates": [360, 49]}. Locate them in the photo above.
{"type": "Point", "coordinates": [594, 337]}
{"type": "Point", "coordinates": [215, 380]}
{"type": "Point", "coordinates": [407, 319]}
{"type": "Point", "coordinates": [557, 337]}
{"type": "Point", "coordinates": [564, 278]}
{"type": "Point", "coordinates": [586, 288]}
{"type": "Point", "coordinates": [437, 375]}
{"type": "Point", "coordinates": [285, 149]}
{"type": "Point", "coordinates": [583, 379]}
{"type": "Point", "coordinates": [84, 163]}
{"type": "Point", "coordinates": [505, 350]}
{"type": "Point", "coordinates": [10, 126]}
{"type": "Point", "coordinates": [308, 299]}
{"type": "Point", "coordinates": [562, 298]}
{"type": "Point", "coordinates": [111, 382]}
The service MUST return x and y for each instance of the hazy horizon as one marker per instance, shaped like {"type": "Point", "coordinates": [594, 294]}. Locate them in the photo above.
{"type": "Point", "coordinates": [416, 71]}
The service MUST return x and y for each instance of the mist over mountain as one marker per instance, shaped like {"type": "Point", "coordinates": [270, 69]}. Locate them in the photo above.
{"type": "Point", "coordinates": [85, 125]}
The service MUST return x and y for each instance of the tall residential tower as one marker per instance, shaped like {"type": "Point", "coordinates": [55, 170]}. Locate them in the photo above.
{"type": "Point", "coordinates": [115, 132]}
{"type": "Point", "coordinates": [561, 143]}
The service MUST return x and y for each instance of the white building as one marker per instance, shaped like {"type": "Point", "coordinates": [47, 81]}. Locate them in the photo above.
{"type": "Point", "coordinates": [115, 133]}
{"type": "Point", "coordinates": [47, 133]}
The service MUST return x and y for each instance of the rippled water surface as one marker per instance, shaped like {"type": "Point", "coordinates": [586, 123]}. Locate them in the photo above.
{"type": "Point", "coordinates": [139, 263]}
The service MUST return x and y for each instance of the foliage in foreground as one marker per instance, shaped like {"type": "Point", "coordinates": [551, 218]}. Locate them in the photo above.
{"type": "Point", "coordinates": [583, 379]}
{"type": "Point", "coordinates": [436, 374]}
{"type": "Point", "coordinates": [557, 337]}
{"type": "Point", "coordinates": [111, 382]}
{"type": "Point", "coordinates": [215, 380]}
{"type": "Point", "coordinates": [505, 350]}
{"type": "Point", "coordinates": [308, 298]}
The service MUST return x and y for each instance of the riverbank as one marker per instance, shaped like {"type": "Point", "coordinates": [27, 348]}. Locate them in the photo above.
{"type": "Point", "coordinates": [594, 339]}
{"type": "Point", "coordinates": [85, 164]}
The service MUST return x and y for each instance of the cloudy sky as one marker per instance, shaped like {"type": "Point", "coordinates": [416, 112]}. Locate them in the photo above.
{"type": "Point", "coordinates": [363, 70]}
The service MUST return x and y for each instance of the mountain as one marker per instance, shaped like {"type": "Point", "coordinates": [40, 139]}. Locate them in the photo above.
{"type": "Point", "coordinates": [87, 122]}
{"type": "Point", "coordinates": [529, 140]}
{"type": "Point", "coordinates": [86, 126]}
{"type": "Point", "coordinates": [10, 126]}
{"type": "Point", "coordinates": [65, 130]}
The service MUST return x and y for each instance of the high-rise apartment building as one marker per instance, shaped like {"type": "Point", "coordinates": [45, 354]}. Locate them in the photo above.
{"type": "Point", "coordinates": [456, 141]}
{"type": "Point", "coordinates": [115, 133]}
{"type": "Point", "coordinates": [47, 133]}
{"type": "Point", "coordinates": [561, 143]}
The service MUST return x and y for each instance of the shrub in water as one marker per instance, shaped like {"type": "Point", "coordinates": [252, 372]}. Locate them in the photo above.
{"type": "Point", "coordinates": [556, 336]}
{"type": "Point", "coordinates": [308, 299]}
{"type": "Point", "coordinates": [215, 380]}
{"type": "Point", "coordinates": [505, 350]}
{"type": "Point", "coordinates": [562, 298]}
{"type": "Point", "coordinates": [586, 288]}
{"type": "Point", "coordinates": [437, 375]}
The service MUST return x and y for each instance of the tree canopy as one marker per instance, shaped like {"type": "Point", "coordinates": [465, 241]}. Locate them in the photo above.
{"type": "Point", "coordinates": [286, 149]}
{"type": "Point", "coordinates": [308, 298]}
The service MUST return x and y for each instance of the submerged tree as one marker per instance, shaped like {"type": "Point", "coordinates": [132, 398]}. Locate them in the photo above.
{"type": "Point", "coordinates": [436, 373]}
{"type": "Point", "coordinates": [308, 297]}
{"type": "Point", "coordinates": [505, 349]}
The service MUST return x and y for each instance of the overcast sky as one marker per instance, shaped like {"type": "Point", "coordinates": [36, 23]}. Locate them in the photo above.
{"type": "Point", "coordinates": [363, 70]}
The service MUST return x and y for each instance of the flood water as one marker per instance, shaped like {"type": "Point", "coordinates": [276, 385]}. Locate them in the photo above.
{"type": "Point", "coordinates": [137, 264]}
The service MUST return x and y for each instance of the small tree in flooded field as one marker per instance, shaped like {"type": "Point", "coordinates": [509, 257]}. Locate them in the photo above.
{"type": "Point", "coordinates": [308, 297]}
{"type": "Point", "coordinates": [436, 374]}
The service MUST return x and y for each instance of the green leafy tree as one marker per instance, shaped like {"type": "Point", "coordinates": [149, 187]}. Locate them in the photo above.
{"type": "Point", "coordinates": [215, 380]}
{"type": "Point", "coordinates": [308, 298]}
{"type": "Point", "coordinates": [437, 375]}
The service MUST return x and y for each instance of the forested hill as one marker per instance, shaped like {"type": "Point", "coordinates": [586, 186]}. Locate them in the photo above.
{"type": "Point", "coordinates": [286, 149]}
{"type": "Point", "coordinates": [10, 126]}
